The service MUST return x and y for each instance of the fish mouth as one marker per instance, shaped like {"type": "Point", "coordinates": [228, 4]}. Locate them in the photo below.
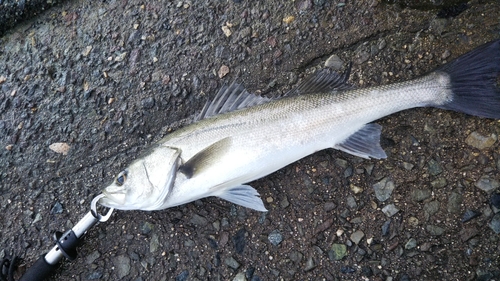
{"type": "Point", "coordinates": [113, 199]}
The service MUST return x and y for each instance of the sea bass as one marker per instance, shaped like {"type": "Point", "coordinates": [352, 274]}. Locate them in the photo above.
{"type": "Point", "coordinates": [240, 137]}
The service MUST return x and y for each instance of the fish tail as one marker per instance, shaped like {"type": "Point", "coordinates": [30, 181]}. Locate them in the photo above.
{"type": "Point", "coordinates": [475, 81]}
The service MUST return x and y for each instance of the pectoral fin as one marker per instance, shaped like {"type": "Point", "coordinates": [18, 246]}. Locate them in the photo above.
{"type": "Point", "coordinates": [205, 158]}
{"type": "Point", "coordinates": [364, 143]}
{"type": "Point", "coordinates": [244, 195]}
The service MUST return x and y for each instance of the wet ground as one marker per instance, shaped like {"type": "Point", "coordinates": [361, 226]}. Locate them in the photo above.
{"type": "Point", "coordinates": [108, 78]}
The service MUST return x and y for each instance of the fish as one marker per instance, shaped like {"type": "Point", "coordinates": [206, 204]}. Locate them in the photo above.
{"type": "Point", "coordinates": [240, 137]}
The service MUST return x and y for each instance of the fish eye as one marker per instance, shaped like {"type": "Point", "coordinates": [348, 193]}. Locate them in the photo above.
{"type": "Point", "coordinates": [120, 179]}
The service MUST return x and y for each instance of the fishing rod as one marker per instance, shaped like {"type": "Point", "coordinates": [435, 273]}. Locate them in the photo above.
{"type": "Point", "coordinates": [66, 244]}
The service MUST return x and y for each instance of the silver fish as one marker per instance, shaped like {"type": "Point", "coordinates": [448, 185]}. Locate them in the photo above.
{"type": "Point", "coordinates": [240, 137]}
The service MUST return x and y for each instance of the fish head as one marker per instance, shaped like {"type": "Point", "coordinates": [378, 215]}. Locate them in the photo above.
{"type": "Point", "coordinates": [145, 183]}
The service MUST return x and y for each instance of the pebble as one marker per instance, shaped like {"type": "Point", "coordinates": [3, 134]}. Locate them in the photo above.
{"type": "Point", "coordinates": [412, 243]}
{"type": "Point", "coordinates": [148, 103]}
{"type": "Point", "coordinates": [454, 201]}
{"type": "Point", "coordinates": [435, 230]}
{"type": "Point", "coordinates": [57, 209]}
{"type": "Point", "coordinates": [356, 189]}
{"type": "Point", "coordinates": [60, 147]}
{"type": "Point", "coordinates": [347, 269]}
{"type": "Point", "coordinates": [223, 71]}
{"type": "Point", "coordinates": [439, 183]}
{"type": "Point", "coordinates": [296, 256]}
{"type": "Point", "coordinates": [431, 208]}
{"type": "Point", "coordinates": [275, 237]}
{"type": "Point", "coordinates": [232, 263]}
{"type": "Point", "coordinates": [240, 277]}
{"type": "Point", "coordinates": [351, 202]}
{"type": "Point", "coordinates": [495, 200]}
{"type": "Point", "coordinates": [334, 62]}
{"type": "Point", "coordinates": [434, 167]}
{"type": "Point", "coordinates": [198, 220]}
{"type": "Point", "coordinates": [146, 228]}
{"type": "Point", "coordinates": [183, 276]}
{"type": "Point", "coordinates": [479, 141]}
{"type": "Point", "coordinates": [122, 266]}
{"type": "Point", "coordinates": [386, 228]}
{"type": "Point", "coordinates": [487, 184]}
{"type": "Point", "coordinates": [383, 189]}
{"type": "Point", "coordinates": [337, 252]}
{"type": "Point", "coordinates": [309, 264]}
{"type": "Point", "coordinates": [420, 194]}
{"type": "Point", "coordinates": [390, 210]}
{"type": "Point", "coordinates": [357, 236]}
{"type": "Point", "coordinates": [468, 233]}
{"type": "Point", "coordinates": [154, 244]}
{"type": "Point", "coordinates": [469, 214]}
{"type": "Point", "coordinates": [495, 223]}
{"type": "Point", "coordinates": [94, 275]}
{"type": "Point", "coordinates": [239, 241]}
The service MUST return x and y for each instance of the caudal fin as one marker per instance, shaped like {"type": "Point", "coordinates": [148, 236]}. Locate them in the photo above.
{"type": "Point", "coordinates": [475, 79]}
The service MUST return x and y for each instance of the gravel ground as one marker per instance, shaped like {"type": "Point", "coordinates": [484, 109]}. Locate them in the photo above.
{"type": "Point", "coordinates": [108, 78]}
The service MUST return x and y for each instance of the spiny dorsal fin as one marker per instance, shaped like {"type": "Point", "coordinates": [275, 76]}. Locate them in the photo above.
{"type": "Point", "coordinates": [364, 143]}
{"type": "Point", "coordinates": [205, 158]}
{"type": "Point", "coordinates": [323, 81]}
{"type": "Point", "coordinates": [230, 98]}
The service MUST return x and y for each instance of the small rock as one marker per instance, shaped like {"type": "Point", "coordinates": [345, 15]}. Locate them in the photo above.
{"type": "Point", "coordinates": [223, 71]}
{"type": "Point", "coordinates": [240, 277]}
{"type": "Point", "coordinates": [435, 230]}
{"type": "Point", "coordinates": [146, 228]}
{"type": "Point", "coordinates": [148, 103]}
{"type": "Point", "coordinates": [89, 259]}
{"type": "Point", "coordinates": [487, 184]}
{"type": "Point", "coordinates": [431, 208]}
{"type": "Point", "coordinates": [309, 264]}
{"type": "Point", "coordinates": [390, 210]}
{"type": "Point", "coordinates": [334, 62]}
{"type": "Point", "coordinates": [366, 271]}
{"type": "Point", "coordinates": [232, 263]}
{"type": "Point", "coordinates": [468, 233]}
{"type": "Point", "coordinates": [337, 252]}
{"type": "Point", "coordinates": [479, 141]}
{"type": "Point", "coordinates": [183, 276]}
{"type": "Point", "coordinates": [154, 244]}
{"type": "Point", "coordinates": [239, 241]}
{"type": "Point", "coordinates": [198, 220]}
{"type": "Point", "coordinates": [296, 256]}
{"type": "Point", "coordinates": [122, 266]}
{"type": "Point", "coordinates": [357, 236]}
{"type": "Point", "coordinates": [38, 218]}
{"type": "Point", "coordinates": [351, 202]}
{"type": "Point", "coordinates": [495, 223]}
{"type": "Point", "coordinates": [439, 183]}
{"type": "Point", "coordinates": [94, 275]}
{"type": "Point", "coordinates": [60, 147]}
{"type": "Point", "coordinates": [434, 167]}
{"type": "Point", "coordinates": [275, 237]}
{"type": "Point", "coordinates": [226, 31]}
{"type": "Point", "coordinates": [347, 269]}
{"type": "Point", "coordinates": [470, 214]}
{"type": "Point", "coordinates": [454, 202]}
{"type": "Point", "coordinates": [495, 200]}
{"type": "Point", "coordinates": [356, 189]}
{"type": "Point", "coordinates": [408, 166]}
{"type": "Point", "coordinates": [386, 228]}
{"type": "Point", "coordinates": [420, 194]}
{"type": "Point", "coordinates": [412, 243]}
{"type": "Point", "coordinates": [57, 209]}
{"type": "Point", "coordinates": [383, 189]}
{"type": "Point", "coordinates": [329, 206]}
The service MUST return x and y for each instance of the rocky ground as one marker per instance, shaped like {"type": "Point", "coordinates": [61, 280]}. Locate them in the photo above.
{"type": "Point", "coordinates": [105, 79]}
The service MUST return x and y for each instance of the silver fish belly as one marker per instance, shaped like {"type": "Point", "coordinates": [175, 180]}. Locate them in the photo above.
{"type": "Point", "coordinates": [240, 137]}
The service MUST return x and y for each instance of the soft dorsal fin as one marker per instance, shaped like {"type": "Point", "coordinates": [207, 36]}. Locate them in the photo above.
{"type": "Point", "coordinates": [323, 81]}
{"type": "Point", "coordinates": [205, 158]}
{"type": "Point", "coordinates": [364, 143]}
{"type": "Point", "coordinates": [230, 98]}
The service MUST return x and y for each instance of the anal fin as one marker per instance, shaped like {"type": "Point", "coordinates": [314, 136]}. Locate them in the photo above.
{"type": "Point", "coordinates": [364, 143]}
{"type": "Point", "coordinates": [244, 195]}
